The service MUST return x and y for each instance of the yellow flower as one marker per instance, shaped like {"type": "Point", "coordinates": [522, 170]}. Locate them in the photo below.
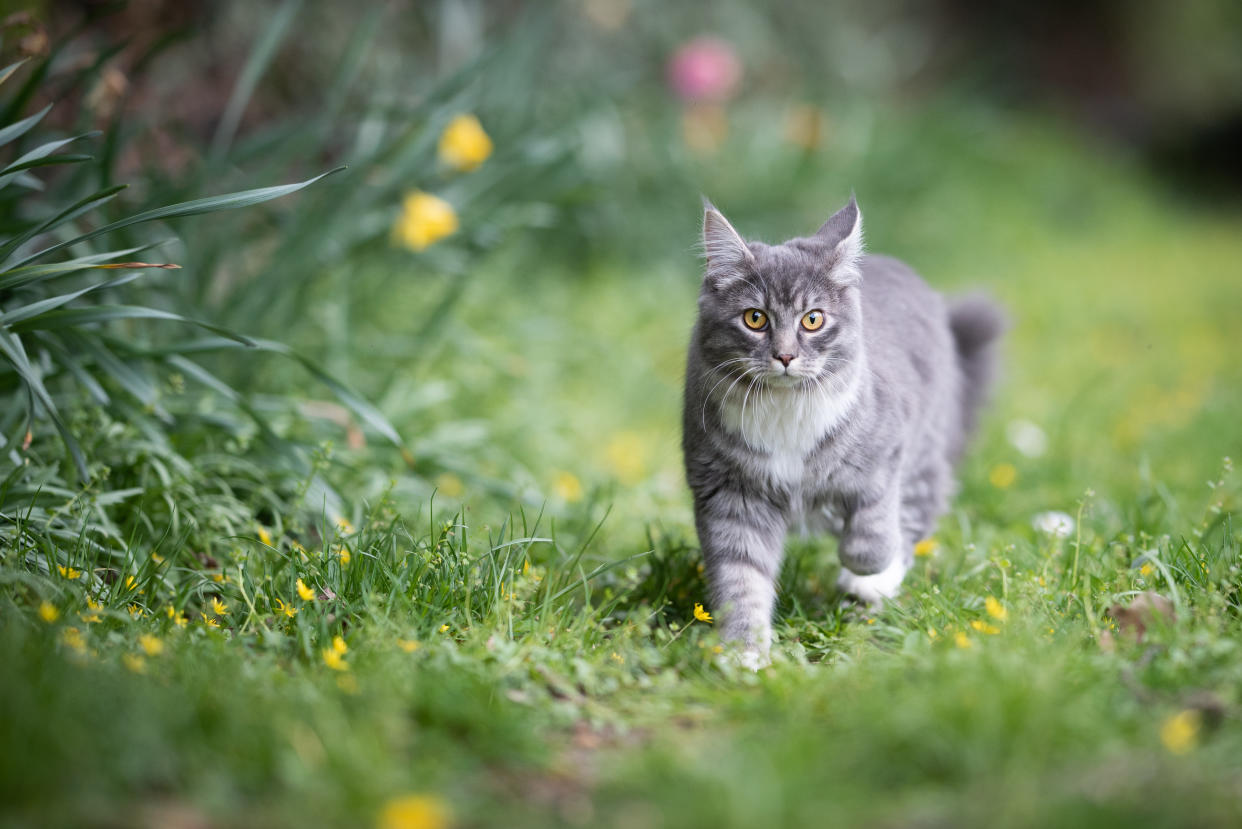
{"type": "Point", "coordinates": [134, 662]}
{"type": "Point", "coordinates": [425, 219]}
{"type": "Point", "coordinates": [1180, 732]}
{"type": "Point", "coordinates": [151, 644]}
{"type": "Point", "coordinates": [962, 640]}
{"type": "Point", "coordinates": [338, 645]}
{"type": "Point", "coordinates": [925, 547]}
{"type": "Point", "coordinates": [342, 524]}
{"type": "Point", "coordinates": [72, 637]}
{"type": "Point", "coordinates": [985, 627]}
{"type": "Point", "coordinates": [287, 609]}
{"type": "Point", "coordinates": [93, 616]}
{"type": "Point", "coordinates": [219, 578]}
{"type": "Point", "coordinates": [48, 612]}
{"type": "Point", "coordinates": [608, 15]}
{"type": "Point", "coordinates": [463, 144]}
{"type": "Point", "coordinates": [137, 611]}
{"type": "Point", "coordinates": [704, 127]}
{"type": "Point", "coordinates": [995, 609]}
{"type": "Point", "coordinates": [414, 811]}
{"type": "Point", "coordinates": [68, 572]}
{"type": "Point", "coordinates": [567, 487]}
{"type": "Point", "coordinates": [626, 454]}
{"type": "Point", "coordinates": [333, 659]}
{"type": "Point", "coordinates": [208, 621]}
{"type": "Point", "coordinates": [408, 645]}
{"type": "Point", "coordinates": [804, 126]}
{"type": "Point", "coordinates": [304, 592]}
{"type": "Point", "coordinates": [932, 634]}
{"type": "Point", "coordinates": [616, 657]}
{"type": "Point", "coordinates": [444, 628]}
{"type": "Point", "coordinates": [157, 558]}
{"type": "Point", "coordinates": [344, 555]}
{"type": "Point", "coordinates": [1003, 475]}
{"type": "Point", "coordinates": [450, 485]}
{"type": "Point", "coordinates": [218, 607]}
{"type": "Point", "coordinates": [178, 618]}
{"type": "Point", "coordinates": [1147, 569]}
{"type": "Point", "coordinates": [701, 614]}
{"type": "Point", "coordinates": [265, 536]}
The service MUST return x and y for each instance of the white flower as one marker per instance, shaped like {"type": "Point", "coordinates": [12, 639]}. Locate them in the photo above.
{"type": "Point", "coordinates": [1055, 524]}
{"type": "Point", "coordinates": [1027, 438]}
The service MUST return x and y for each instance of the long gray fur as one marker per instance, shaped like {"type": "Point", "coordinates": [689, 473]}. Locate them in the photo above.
{"type": "Point", "coordinates": [858, 435]}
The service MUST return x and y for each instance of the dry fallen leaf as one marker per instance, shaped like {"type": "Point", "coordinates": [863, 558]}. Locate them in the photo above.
{"type": "Point", "coordinates": [1139, 614]}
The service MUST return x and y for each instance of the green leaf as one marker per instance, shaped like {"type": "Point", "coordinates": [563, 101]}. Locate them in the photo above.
{"type": "Point", "coordinates": [351, 399]}
{"type": "Point", "coordinates": [67, 215]}
{"type": "Point", "coordinates": [73, 317]}
{"type": "Point", "coordinates": [11, 347]}
{"type": "Point", "coordinates": [53, 344]}
{"type": "Point", "coordinates": [42, 151]}
{"type": "Point", "coordinates": [34, 310]}
{"type": "Point", "coordinates": [135, 382]}
{"type": "Point", "coordinates": [361, 407]}
{"type": "Point", "coordinates": [260, 58]}
{"type": "Point", "coordinates": [202, 375]}
{"type": "Point", "coordinates": [45, 162]}
{"type": "Point", "coordinates": [16, 277]}
{"type": "Point", "coordinates": [17, 130]}
{"type": "Point", "coordinates": [8, 71]}
{"type": "Point", "coordinates": [211, 204]}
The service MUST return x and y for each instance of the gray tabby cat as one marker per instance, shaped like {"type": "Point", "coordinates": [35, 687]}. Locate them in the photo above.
{"type": "Point", "coordinates": [825, 390]}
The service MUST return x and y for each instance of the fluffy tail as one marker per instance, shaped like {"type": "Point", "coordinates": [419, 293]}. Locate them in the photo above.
{"type": "Point", "coordinates": [977, 323]}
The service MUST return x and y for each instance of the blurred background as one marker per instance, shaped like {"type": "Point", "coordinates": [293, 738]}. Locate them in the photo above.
{"type": "Point", "coordinates": [506, 266]}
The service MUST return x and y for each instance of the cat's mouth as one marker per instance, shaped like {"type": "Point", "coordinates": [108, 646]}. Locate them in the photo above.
{"type": "Point", "coordinates": [783, 379]}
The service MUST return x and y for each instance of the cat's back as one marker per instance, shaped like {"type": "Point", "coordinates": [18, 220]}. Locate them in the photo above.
{"type": "Point", "coordinates": [891, 289]}
{"type": "Point", "coordinates": [905, 324]}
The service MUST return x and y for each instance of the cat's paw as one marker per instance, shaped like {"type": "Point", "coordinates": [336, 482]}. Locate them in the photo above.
{"type": "Point", "coordinates": [752, 659]}
{"type": "Point", "coordinates": [747, 657]}
{"type": "Point", "coordinates": [875, 588]}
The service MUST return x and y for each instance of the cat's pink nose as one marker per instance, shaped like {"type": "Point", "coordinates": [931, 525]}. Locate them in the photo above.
{"type": "Point", "coordinates": [785, 359]}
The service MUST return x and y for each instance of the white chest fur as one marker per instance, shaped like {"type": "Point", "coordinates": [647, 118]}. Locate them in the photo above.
{"type": "Point", "coordinates": [786, 425]}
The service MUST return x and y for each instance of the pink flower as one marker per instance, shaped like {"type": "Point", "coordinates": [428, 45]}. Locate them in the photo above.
{"type": "Point", "coordinates": [705, 68]}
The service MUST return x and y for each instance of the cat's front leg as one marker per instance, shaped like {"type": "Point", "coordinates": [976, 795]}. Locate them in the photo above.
{"type": "Point", "coordinates": [872, 561]}
{"type": "Point", "coordinates": [743, 539]}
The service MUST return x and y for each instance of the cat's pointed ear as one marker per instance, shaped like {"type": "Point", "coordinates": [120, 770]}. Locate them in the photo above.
{"type": "Point", "coordinates": [726, 252]}
{"type": "Point", "coordinates": [843, 236]}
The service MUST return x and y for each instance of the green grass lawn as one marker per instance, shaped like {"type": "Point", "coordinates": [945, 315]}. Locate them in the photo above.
{"type": "Point", "coordinates": [524, 651]}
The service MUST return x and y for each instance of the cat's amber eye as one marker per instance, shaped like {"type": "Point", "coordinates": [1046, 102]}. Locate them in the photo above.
{"type": "Point", "coordinates": [755, 319]}
{"type": "Point", "coordinates": [813, 320]}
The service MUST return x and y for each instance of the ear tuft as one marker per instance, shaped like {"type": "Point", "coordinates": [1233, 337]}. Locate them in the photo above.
{"type": "Point", "coordinates": [842, 233]}
{"type": "Point", "coordinates": [725, 250]}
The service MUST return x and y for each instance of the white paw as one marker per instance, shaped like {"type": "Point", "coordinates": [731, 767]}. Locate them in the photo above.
{"type": "Point", "coordinates": [748, 657]}
{"type": "Point", "coordinates": [877, 587]}
{"type": "Point", "coordinates": [752, 659]}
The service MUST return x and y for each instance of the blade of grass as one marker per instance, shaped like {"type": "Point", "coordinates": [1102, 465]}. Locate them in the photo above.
{"type": "Point", "coordinates": [260, 58]}
{"type": "Point", "coordinates": [42, 151]}
{"type": "Point", "coordinates": [17, 277]}
{"type": "Point", "coordinates": [210, 204]}
{"type": "Point", "coordinates": [108, 313]}
{"type": "Point", "coordinates": [14, 131]}
{"type": "Point", "coordinates": [12, 348]}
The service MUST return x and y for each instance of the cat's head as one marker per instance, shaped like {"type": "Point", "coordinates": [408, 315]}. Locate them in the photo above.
{"type": "Point", "coordinates": [785, 315]}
